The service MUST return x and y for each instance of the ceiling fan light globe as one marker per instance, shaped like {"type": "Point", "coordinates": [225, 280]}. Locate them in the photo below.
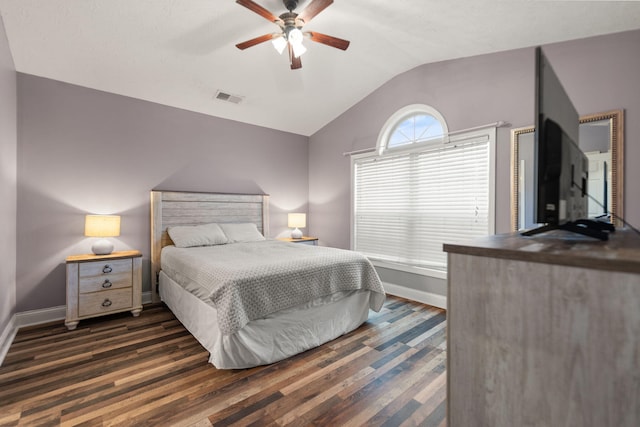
{"type": "Point", "coordinates": [294, 36]}
{"type": "Point", "coordinates": [279, 43]}
{"type": "Point", "coordinates": [298, 49]}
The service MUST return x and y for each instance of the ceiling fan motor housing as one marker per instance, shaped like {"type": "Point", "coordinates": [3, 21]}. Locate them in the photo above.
{"type": "Point", "coordinates": [290, 4]}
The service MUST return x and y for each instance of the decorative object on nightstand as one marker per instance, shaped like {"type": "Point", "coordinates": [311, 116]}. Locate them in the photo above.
{"type": "Point", "coordinates": [102, 226]}
{"type": "Point", "coordinates": [297, 221]}
{"type": "Point", "coordinates": [304, 240]}
{"type": "Point", "coordinates": [103, 284]}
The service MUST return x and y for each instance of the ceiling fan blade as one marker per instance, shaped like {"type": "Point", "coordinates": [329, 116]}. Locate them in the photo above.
{"type": "Point", "coordinates": [296, 62]}
{"type": "Point", "coordinates": [328, 40]}
{"type": "Point", "coordinates": [254, 7]}
{"type": "Point", "coordinates": [254, 41]}
{"type": "Point", "coordinates": [314, 8]}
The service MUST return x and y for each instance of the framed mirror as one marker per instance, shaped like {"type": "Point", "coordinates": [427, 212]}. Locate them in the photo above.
{"type": "Point", "coordinates": [601, 139]}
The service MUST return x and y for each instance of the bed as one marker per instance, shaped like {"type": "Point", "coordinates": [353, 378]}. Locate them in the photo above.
{"type": "Point", "coordinates": [248, 299]}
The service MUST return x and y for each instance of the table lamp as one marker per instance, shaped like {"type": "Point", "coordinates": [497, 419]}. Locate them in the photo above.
{"type": "Point", "coordinates": [102, 226]}
{"type": "Point", "coordinates": [297, 220]}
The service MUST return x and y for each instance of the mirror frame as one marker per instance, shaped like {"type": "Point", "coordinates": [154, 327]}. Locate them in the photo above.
{"type": "Point", "coordinates": [616, 146]}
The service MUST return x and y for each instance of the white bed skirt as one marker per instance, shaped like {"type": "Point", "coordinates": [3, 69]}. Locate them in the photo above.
{"type": "Point", "coordinates": [273, 338]}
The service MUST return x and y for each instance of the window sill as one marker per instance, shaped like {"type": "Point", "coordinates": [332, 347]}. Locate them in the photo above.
{"type": "Point", "coordinates": [422, 271]}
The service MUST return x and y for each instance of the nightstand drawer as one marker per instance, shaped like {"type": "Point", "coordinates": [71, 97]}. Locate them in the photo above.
{"type": "Point", "coordinates": [105, 282]}
{"type": "Point", "coordinates": [104, 302]}
{"type": "Point", "coordinates": [89, 269]}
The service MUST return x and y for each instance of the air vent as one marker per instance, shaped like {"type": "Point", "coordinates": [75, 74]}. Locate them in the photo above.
{"type": "Point", "coordinates": [223, 96]}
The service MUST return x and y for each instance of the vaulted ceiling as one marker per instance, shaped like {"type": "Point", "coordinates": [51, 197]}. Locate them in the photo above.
{"type": "Point", "coordinates": [181, 52]}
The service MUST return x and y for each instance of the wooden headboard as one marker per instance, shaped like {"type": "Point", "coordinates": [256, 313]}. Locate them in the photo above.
{"type": "Point", "coordinates": [171, 208]}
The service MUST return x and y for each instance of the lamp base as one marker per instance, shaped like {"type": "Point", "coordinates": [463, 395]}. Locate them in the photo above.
{"type": "Point", "coordinates": [296, 234]}
{"type": "Point", "coordinates": [102, 247]}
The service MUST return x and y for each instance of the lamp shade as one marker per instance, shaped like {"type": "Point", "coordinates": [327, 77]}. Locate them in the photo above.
{"type": "Point", "coordinates": [102, 225]}
{"type": "Point", "coordinates": [297, 220]}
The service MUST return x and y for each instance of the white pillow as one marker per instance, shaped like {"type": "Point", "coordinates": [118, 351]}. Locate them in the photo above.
{"type": "Point", "coordinates": [244, 232]}
{"type": "Point", "coordinates": [186, 236]}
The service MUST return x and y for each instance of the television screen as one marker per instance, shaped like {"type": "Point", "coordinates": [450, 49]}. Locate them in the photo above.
{"type": "Point", "coordinates": [561, 168]}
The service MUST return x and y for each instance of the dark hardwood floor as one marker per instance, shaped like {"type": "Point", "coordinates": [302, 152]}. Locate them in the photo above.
{"type": "Point", "coordinates": [120, 370]}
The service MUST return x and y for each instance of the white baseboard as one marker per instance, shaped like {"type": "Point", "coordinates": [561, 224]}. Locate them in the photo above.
{"type": "Point", "coordinates": [429, 298]}
{"type": "Point", "coordinates": [146, 298]}
{"type": "Point", "coordinates": [43, 315]}
{"type": "Point", "coordinates": [28, 318]}
{"type": "Point", "coordinates": [6, 338]}
{"type": "Point", "coordinates": [37, 317]}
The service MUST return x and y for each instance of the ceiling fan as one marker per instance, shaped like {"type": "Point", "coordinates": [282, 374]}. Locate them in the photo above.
{"type": "Point", "coordinates": [291, 23]}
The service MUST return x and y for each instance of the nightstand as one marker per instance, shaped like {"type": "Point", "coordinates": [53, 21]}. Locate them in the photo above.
{"type": "Point", "coordinates": [305, 240]}
{"type": "Point", "coordinates": [103, 284]}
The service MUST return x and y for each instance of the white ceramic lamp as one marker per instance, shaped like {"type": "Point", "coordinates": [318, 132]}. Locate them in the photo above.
{"type": "Point", "coordinates": [297, 221]}
{"type": "Point", "coordinates": [102, 226]}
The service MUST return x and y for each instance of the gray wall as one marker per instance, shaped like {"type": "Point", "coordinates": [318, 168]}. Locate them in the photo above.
{"type": "Point", "coordinates": [8, 147]}
{"type": "Point", "coordinates": [84, 151]}
{"type": "Point", "coordinates": [468, 92]}
{"type": "Point", "coordinates": [598, 73]}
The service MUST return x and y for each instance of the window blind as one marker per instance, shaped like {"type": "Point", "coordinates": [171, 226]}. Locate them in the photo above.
{"type": "Point", "coordinates": [407, 204]}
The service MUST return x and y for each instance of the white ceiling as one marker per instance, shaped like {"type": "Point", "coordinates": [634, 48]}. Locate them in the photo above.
{"type": "Point", "coordinates": [180, 52]}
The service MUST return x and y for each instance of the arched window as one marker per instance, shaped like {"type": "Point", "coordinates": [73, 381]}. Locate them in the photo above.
{"type": "Point", "coordinates": [424, 186]}
{"type": "Point", "coordinates": [413, 124]}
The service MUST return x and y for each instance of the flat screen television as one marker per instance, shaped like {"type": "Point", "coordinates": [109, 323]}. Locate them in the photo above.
{"type": "Point", "coordinates": [560, 168]}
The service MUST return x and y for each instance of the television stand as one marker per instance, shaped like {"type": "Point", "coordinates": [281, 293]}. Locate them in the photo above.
{"type": "Point", "coordinates": [520, 317]}
{"type": "Point", "coordinates": [587, 227]}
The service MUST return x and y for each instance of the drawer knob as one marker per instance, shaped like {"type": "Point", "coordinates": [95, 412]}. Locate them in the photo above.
{"type": "Point", "coordinates": [107, 269]}
{"type": "Point", "coordinates": [107, 284]}
{"type": "Point", "coordinates": [106, 303]}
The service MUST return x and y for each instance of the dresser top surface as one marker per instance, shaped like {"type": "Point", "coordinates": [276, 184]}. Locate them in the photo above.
{"type": "Point", "coordinates": [620, 253]}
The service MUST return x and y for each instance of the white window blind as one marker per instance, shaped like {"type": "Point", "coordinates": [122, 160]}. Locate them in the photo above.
{"type": "Point", "coordinates": [407, 204]}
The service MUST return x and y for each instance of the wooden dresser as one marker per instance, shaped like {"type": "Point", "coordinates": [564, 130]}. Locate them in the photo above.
{"type": "Point", "coordinates": [544, 331]}
{"type": "Point", "coordinates": [103, 284]}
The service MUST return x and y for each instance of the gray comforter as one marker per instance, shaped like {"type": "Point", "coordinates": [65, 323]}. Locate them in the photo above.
{"type": "Point", "coordinates": [248, 281]}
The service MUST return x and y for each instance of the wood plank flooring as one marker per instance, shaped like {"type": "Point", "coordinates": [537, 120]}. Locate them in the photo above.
{"type": "Point", "coordinates": [121, 370]}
